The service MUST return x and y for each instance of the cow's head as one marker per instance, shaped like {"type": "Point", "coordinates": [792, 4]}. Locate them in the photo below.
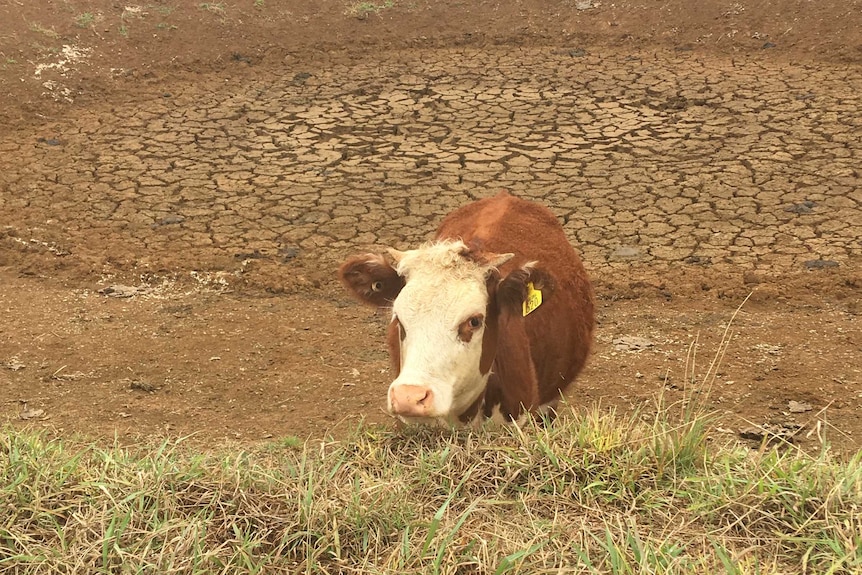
{"type": "Point", "coordinates": [446, 300]}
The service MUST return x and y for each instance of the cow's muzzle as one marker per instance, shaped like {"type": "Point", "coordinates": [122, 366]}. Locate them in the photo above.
{"type": "Point", "coordinates": [411, 400]}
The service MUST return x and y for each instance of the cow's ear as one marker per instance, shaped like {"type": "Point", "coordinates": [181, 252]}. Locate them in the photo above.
{"type": "Point", "coordinates": [371, 279]}
{"type": "Point", "coordinates": [497, 260]}
{"type": "Point", "coordinates": [396, 255]}
{"type": "Point", "coordinates": [518, 290]}
{"type": "Point", "coordinates": [474, 252]}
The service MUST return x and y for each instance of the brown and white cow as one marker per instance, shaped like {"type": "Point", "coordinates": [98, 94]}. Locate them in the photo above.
{"type": "Point", "coordinates": [466, 339]}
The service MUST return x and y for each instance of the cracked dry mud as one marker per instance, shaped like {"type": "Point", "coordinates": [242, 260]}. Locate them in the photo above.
{"type": "Point", "coordinates": [686, 181]}
{"type": "Point", "coordinates": [678, 161]}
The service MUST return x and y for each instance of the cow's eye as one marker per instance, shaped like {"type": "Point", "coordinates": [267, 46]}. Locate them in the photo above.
{"type": "Point", "coordinates": [469, 326]}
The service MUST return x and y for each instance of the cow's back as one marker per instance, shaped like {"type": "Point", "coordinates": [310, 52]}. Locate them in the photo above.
{"type": "Point", "coordinates": [560, 330]}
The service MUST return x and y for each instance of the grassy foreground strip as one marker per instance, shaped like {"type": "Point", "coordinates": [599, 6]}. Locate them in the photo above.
{"type": "Point", "coordinates": [592, 493]}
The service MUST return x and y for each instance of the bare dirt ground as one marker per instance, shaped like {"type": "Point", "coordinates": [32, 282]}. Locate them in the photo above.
{"type": "Point", "coordinates": [180, 180]}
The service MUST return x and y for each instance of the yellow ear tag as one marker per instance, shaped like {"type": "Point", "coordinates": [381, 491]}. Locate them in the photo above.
{"type": "Point", "coordinates": [534, 299]}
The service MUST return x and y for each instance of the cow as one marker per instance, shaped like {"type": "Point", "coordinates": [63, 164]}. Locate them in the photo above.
{"type": "Point", "coordinates": [493, 319]}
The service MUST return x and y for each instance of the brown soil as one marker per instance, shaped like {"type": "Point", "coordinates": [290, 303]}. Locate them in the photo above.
{"type": "Point", "coordinates": [221, 158]}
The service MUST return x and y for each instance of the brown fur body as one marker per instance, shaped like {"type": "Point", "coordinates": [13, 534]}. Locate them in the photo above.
{"type": "Point", "coordinates": [539, 355]}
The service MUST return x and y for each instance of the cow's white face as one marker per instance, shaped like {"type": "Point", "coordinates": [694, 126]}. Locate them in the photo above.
{"type": "Point", "coordinates": [442, 315]}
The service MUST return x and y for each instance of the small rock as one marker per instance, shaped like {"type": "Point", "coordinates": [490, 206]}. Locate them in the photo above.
{"type": "Point", "coordinates": [805, 207]}
{"type": "Point", "coordinates": [768, 45]}
{"type": "Point", "coordinates": [632, 343]}
{"type": "Point", "coordinates": [799, 407]}
{"type": "Point", "coordinates": [172, 219]}
{"type": "Point", "coordinates": [754, 433]}
{"type": "Point", "coordinates": [677, 103]}
{"type": "Point", "coordinates": [119, 291]}
{"type": "Point", "coordinates": [698, 260]}
{"type": "Point", "coordinates": [299, 79]}
{"type": "Point", "coordinates": [771, 432]}
{"type": "Point", "coordinates": [32, 414]}
{"type": "Point", "coordinates": [625, 253]}
{"type": "Point", "coordinates": [252, 255]}
{"type": "Point", "coordinates": [288, 253]}
{"type": "Point", "coordinates": [14, 364]}
{"type": "Point", "coordinates": [138, 385]}
{"type": "Point", "coordinates": [820, 264]}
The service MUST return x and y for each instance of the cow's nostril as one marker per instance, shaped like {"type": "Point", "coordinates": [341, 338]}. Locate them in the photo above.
{"type": "Point", "coordinates": [425, 401]}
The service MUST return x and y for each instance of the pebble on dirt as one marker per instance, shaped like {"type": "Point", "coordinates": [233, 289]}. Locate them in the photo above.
{"type": "Point", "coordinates": [625, 253]}
{"type": "Point", "coordinates": [771, 432]}
{"type": "Point", "coordinates": [27, 414]}
{"type": "Point", "coordinates": [632, 343]}
{"type": "Point", "coordinates": [798, 407]}
{"type": "Point", "coordinates": [145, 386]}
{"type": "Point", "coordinates": [119, 291]}
{"type": "Point", "coordinates": [820, 264]}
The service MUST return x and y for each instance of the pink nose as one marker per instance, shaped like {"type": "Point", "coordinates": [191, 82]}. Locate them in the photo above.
{"type": "Point", "coordinates": [410, 400]}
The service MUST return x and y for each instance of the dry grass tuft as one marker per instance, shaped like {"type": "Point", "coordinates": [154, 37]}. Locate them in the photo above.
{"type": "Point", "coordinates": [592, 493]}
